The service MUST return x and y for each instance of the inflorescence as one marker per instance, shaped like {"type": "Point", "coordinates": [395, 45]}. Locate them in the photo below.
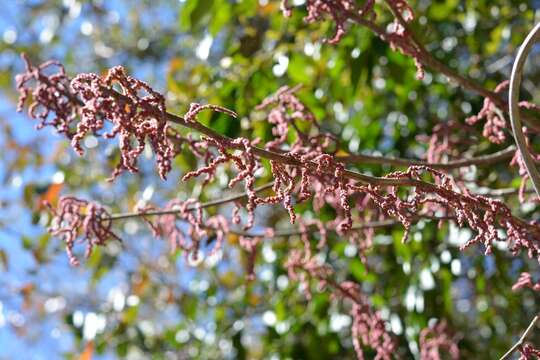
{"type": "Point", "coordinates": [138, 112]}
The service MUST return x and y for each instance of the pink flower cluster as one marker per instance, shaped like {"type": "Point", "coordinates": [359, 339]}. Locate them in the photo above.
{"type": "Point", "coordinates": [250, 244]}
{"type": "Point", "coordinates": [400, 37]}
{"type": "Point", "coordinates": [528, 352]}
{"type": "Point", "coordinates": [525, 281]}
{"type": "Point", "coordinates": [73, 216]}
{"type": "Point", "coordinates": [188, 238]}
{"type": "Point", "coordinates": [482, 214]}
{"type": "Point", "coordinates": [495, 123]}
{"type": "Point", "coordinates": [444, 140]}
{"type": "Point", "coordinates": [339, 186]}
{"type": "Point", "coordinates": [51, 105]}
{"type": "Point", "coordinates": [137, 111]}
{"type": "Point", "coordinates": [286, 108]}
{"type": "Point", "coordinates": [339, 10]}
{"type": "Point", "coordinates": [303, 266]}
{"type": "Point", "coordinates": [168, 225]}
{"type": "Point", "coordinates": [342, 11]}
{"type": "Point", "coordinates": [367, 328]}
{"type": "Point", "coordinates": [245, 163]}
{"type": "Point", "coordinates": [436, 341]}
{"type": "Point", "coordinates": [494, 130]}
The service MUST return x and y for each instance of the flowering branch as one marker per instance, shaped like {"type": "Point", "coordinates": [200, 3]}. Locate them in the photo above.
{"type": "Point", "coordinates": [525, 281]}
{"type": "Point", "coordinates": [275, 233]}
{"type": "Point", "coordinates": [73, 215]}
{"type": "Point", "coordinates": [320, 174]}
{"type": "Point", "coordinates": [434, 340]}
{"type": "Point", "coordinates": [137, 113]}
{"type": "Point", "coordinates": [402, 38]}
{"type": "Point", "coordinates": [367, 328]}
{"type": "Point", "coordinates": [208, 204]}
{"type": "Point", "coordinates": [383, 181]}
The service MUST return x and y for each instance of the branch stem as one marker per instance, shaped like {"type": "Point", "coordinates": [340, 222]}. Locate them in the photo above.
{"type": "Point", "coordinates": [521, 340]}
{"type": "Point", "coordinates": [513, 96]}
{"type": "Point", "coordinates": [428, 60]}
{"type": "Point", "coordinates": [454, 164]}
{"type": "Point", "coordinates": [217, 202]}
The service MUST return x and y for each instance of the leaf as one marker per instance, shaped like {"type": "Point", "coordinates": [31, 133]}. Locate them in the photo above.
{"type": "Point", "coordinates": [87, 352]}
{"type": "Point", "coordinates": [26, 291]}
{"type": "Point", "coordinates": [220, 18]}
{"type": "Point", "coordinates": [254, 299]}
{"type": "Point", "coordinates": [176, 64]}
{"type": "Point", "coordinates": [194, 12]}
{"type": "Point", "coordinates": [39, 247]}
{"type": "Point", "coordinates": [4, 259]}
{"type": "Point", "coordinates": [299, 70]}
{"type": "Point", "coordinates": [50, 196]}
{"type": "Point", "coordinates": [26, 242]}
{"type": "Point", "coordinates": [440, 10]}
{"type": "Point", "coordinates": [232, 238]}
{"type": "Point", "coordinates": [229, 279]}
{"type": "Point", "coordinates": [358, 270]}
{"type": "Point", "coordinates": [141, 283]}
{"type": "Point", "coordinates": [130, 314]}
{"type": "Point", "coordinates": [28, 194]}
{"type": "Point", "coordinates": [185, 14]}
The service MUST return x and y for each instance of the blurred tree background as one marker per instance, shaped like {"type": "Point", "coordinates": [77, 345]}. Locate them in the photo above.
{"type": "Point", "coordinates": [137, 300]}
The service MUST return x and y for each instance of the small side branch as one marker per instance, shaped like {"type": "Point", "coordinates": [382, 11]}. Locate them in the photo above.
{"type": "Point", "coordinates": [521, 340]}
{"type": "Point", "coordinates": [454, 164]}
{"type": "Point", "coordinates": [202, 206]}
